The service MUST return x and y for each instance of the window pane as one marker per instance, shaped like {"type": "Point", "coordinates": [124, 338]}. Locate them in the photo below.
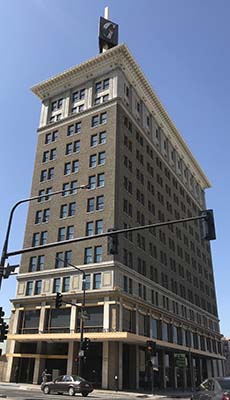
{"type": "Point", "coordinates": [41, 261]}
{"type": "Point", "coordinates": [101, 158]}
{"type": "Point", "coordinates": [99, 226]}
{"type": "Point", "coordinates": [89, 228]}
{"type": "Point", "coordinates": [70, 232]}
{"type": "Point", "coordinates": [102, 137]}
{"type": "Point", "coordinates": [92, 182]}
{"type": "Point", "coordinates": [100, 203]}
{"type": "Point", "coordinates": [93, 160]}
{"type": "Point", "coordinates": [56, 285]}
{"type": "Point", "coordinates": [97, 281]}
{"type": "Point", "coordinates": [98, 254]}
{"type": "Point", "coordinates": [38, 287]}
{"type": "Point", "coordinates": [66, 284]}
{"type": "Point", "coordinates": [93, 140]}
{"type": "Point", "coordinates": [87, 281]}
{"type": "Point", "coordinates": [72, 209]}
{"type": "Point", "coordinates": [88, 255]}
{"type": "Point", "coordinates": [33, 264]}
{"type": "Point", "coordinates": [67, 168]}
{"type": "Point", "coordinates": [61, 234]}
{"type": "Point", "coordinates": [101, 180]}
{"type": "Point", "coordinates": [75, 166]}
{"type": "Point", "coordinates": [29, 288]}
{"type": "Point", "coordinates": [90, 204]}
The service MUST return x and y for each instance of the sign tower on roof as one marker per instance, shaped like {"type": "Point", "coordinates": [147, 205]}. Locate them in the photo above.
{"type": "Point", "coordinates": [108, 32]}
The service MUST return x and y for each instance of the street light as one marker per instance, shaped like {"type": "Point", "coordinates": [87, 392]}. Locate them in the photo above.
{"type": "Point", "coordinates": [4, 255]}
{"type": "Point", "coordinates": [83, 314]}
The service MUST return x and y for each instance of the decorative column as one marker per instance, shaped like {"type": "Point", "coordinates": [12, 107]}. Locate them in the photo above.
{"type": "Point", "coordinates": [105, 364]}
{"type": "Point", "coordinates": [106, 315]}
{"type": "Point", "coordinates": [120, 366]}
{"type": "Point", "coordinates": [70, 358]}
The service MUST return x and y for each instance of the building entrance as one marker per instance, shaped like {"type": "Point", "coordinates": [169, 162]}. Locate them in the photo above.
{"type": "Point", "coordinates": [92, 365]}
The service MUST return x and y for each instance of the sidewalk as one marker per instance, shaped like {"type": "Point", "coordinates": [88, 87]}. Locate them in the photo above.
{"type": "Point", "coordinates": [157, 395]}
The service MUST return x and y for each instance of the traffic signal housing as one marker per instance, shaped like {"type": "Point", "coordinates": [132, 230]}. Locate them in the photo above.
{"type": "Point", "coordinates": [58, 300]}
{"type": "Point", "coordinates": [151, 347]}
{"type": "Point", "coordinates": [4, 329]}
{"type": "Point", "coordinates": [2, 313]}
{"type": "Point", "coordinates": [207, 225]}
{"type": "Point", "coordinates": [86, 344]}
{"type": "Point", "coordinates": [112, 242]}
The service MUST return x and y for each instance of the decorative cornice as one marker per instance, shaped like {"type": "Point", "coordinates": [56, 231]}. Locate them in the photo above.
{"type": "Point", "coordinates": [120, 57]}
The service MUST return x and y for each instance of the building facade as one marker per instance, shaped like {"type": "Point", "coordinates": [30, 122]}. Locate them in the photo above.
{"type": "Point", "coordinates": [102, 125]}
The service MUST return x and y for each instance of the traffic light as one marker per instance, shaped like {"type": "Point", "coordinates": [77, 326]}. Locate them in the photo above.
{"type": "Point", "coordinates": [86, 344]}
{"type": "Point", "coordinates": [4, 328]}
{"type": "Point", "coordinates": [151, 347]}
{"type": "Point", "coordinates": [112, 243]}
{"type": "Point", "coordinates": [1, 315]}
{"type": "Point", "coordinates": [207, 225]}
{"type": "Point", "coordinates": [58, 300]}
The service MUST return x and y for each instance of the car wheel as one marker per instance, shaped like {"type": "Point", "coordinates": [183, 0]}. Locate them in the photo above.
{"type": "Point", "coordinates": [84, 394]}
{"type": "Point", "coordinates": [71, 391]}
{"type": "Point", "coordinates": [46, 390]}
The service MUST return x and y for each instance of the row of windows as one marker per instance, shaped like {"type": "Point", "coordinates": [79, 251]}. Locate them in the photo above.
{"type": "Point", "coordinates": [93, 281]}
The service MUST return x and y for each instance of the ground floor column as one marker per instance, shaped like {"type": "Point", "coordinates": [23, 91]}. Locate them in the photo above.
{"type": "Point", "coordinates": [161, 368]}
{"type": "Point", "coordinates": [137, 367]}
{"type": "Point", "coordinates": [120, 366]}
{"type": "Point", "coordinates": [39, 366]}
{"type": "Point", "coordinates": [9, 372]}
{"type": "Point", "coordinates": [209, 368]}
{"type": "Point", "coordinates": [69, 369]}
{"type": "Point", "coordinates": [105, 365]}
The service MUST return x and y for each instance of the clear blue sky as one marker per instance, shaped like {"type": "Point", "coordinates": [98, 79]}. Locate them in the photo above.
{"type": "Point", "coordinates": [183, 49]}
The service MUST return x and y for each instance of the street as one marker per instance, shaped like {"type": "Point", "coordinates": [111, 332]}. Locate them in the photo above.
{"type": "Point", "coordinates": [15, 392]}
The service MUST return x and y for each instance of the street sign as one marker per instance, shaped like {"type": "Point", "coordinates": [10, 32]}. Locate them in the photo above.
{"type": "Point", "coordinates": [180, 360]}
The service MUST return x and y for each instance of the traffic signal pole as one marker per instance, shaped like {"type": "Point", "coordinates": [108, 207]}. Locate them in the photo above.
{"type": "Point", "coordinates": [5, 255]}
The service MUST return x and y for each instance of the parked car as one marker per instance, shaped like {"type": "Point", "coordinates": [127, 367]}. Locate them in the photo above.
{"type": "Point", "coordinates": [70, 384]}
{"type": "Point", "coordinates": [213, 389]}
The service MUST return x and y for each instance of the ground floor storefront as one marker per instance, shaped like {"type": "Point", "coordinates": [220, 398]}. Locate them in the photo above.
{"type": "Point", "coordinates": [112, 362]}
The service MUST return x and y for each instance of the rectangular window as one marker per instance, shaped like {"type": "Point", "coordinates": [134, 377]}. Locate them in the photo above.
{"type": "Point", "coordinates": [101, 158]}
{"type": "Point", "coordinates": [95, 121]}
{"type": "Point", "coordinates": [93, 160]}
{"type": "Point", "coordinates": [72, 209]}
{"type": "Point", "coordinates": [56, 285]}
{"type": "Point", "coordinates": [43, 175]}
{"type": "Point", "coordinates": [70, 232]}
{"type": "Point", "coordinates": [98, 254]}
{"type": "Point", "coordinates": [88, 257]}
{"type": "Point", "coordinates": [99, 226]}
{"type": "Point", "coordinates": [46, 215]}
{"type": "Point", "coordinates": [102, 137]}
{"type": "Point", "coordinates": [97, 281]}
{"type": "Point", "coordinates": [78, 127]}
{"type": "Point", "coordinates": [93, 140]}
{"type": "Point", "coordinates": [43, 238]}
{"type": "Point", "coordinates": [45, 157]}
{"type": "Point", "coordinates": [87, 281]}
{"type": "Point", "coordinates": [100, 203]}
{"type": "Point", "coordinates": [103, 118]}
{"type": "Point", "coordinates": [61, 234]}
{"type": "Point", "coordinates": [68, 148]}
{"type": "Point", "coordinates": [53, 154]}
{"type": "Point", "coordinates": [92, 182]}
{"type": "Point", "coordinates": [33, 264]}
{"type": "Point", "coordinates": [70, 130]}
{"type": "Point", "coordinates": [66, 284]}
{"type": "Point", "coordinates": [50, 173]}
{"type": "Point", "coordinates": [29, 288]}
{"type": "Point", "coordinates": [38, 287]}
{"type": "Point", "coordinates": [76, 146]}
{"type": "Point", "coordinates": [63, 211]}
{"type": "Point", "coordinates": [38, 217]}
{"type": "Point", "coordinates": [90, 204]}
{"type": "Point", "coordinates": [35, 240]}
{"type": "Point", "coordinates": [75, 166]}
{"type": "Point", "coordinates": [89, 228]}
{"type": "Point", "coordinates": [67, 168]}
{"type": "Point", "coordinates": [41, 262]}
{"type": "Point", "coordinates": [101, 180]}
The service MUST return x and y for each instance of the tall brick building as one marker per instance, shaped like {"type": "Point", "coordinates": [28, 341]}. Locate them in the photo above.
{"type": "Point", "coordinates": [102, 125]}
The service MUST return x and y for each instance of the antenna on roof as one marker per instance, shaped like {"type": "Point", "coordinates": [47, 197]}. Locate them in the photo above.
{"type": "Point", "coordinates": [108, 32]}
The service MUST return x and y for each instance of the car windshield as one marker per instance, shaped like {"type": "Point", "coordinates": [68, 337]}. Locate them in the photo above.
{"type": "Point", "coordinates": [78, 378]}
{"type": "Point", "coordinates": [225, 384]}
